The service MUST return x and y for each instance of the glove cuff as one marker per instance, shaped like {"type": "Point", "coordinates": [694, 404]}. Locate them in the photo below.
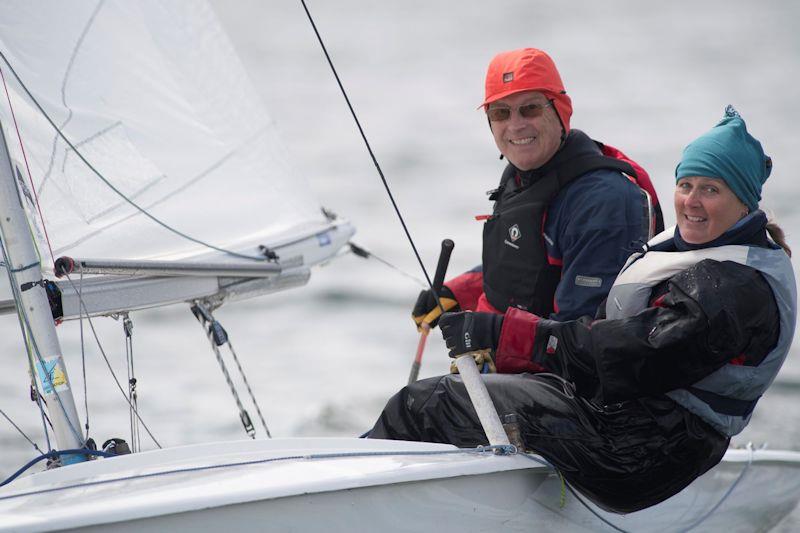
{"type": "Point", "coordinates": [518, 337]}
{"type": "Point", "coordinates": [445, 292]}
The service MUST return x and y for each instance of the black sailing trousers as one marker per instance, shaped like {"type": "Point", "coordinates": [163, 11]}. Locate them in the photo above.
{"type": "Point", "coordinates": [624, 457]}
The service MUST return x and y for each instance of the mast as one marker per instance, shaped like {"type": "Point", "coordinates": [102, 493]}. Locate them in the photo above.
{"type": "Point", "coordinates": [25, 267]}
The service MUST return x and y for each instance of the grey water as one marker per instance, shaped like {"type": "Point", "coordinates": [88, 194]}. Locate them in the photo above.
{"type": "Point", "coordinates": [322, 360]}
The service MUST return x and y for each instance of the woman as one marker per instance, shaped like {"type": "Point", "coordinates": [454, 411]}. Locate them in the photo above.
{"type": "Point", "coordinates": [632, 406]}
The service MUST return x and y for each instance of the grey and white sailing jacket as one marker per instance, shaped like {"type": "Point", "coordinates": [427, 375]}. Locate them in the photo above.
{"type": "Point", "coordinates": [708, 328]}
{"type": "Point", "coordinates": [726, 397]}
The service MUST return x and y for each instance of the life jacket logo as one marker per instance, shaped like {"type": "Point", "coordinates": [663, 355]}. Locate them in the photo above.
{"type": "Point", "coordinates": [508, 76]}
{"type": "Point", "coordinates": [514, 233]}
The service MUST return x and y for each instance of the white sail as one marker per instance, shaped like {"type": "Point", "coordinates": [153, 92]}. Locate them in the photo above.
{"type": "Point", "coordinates": [136, 134]}
{"type": "Point", "coordinates": [153, 96]}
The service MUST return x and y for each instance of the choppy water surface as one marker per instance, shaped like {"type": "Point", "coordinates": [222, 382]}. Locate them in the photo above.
{"type": "Point", "coordinates": [323, 359]}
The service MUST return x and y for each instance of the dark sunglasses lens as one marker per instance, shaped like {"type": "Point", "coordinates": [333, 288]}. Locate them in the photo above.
{"type": "Point", "coordinates": [530, 110]}
{"type": "Point", "coordinates": [498, 113]}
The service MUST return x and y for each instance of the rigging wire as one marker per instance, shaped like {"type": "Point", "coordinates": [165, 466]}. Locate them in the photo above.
{"type": "Point", "coordinates": [216, 337]}
{"type": "Point", "coordinates": [37, 397]}
{"type": "Point", "coordinates": [27, 167]}
{"type": "Point", "coordinates": [108, 363]}
{"type": "Point", "coordinates": [244, 416]}
{"type": "Point", "coordinates": [249, 390]}
{"type": "Point", "coordinates": [40, 360]}
{"type": "Point", "coordinates": [25, 326]}
{"type": "Point", "coordinates": [362, 252]}
{"type": "Point", "coordinates": [83, 356]}
{"type": "Point", "coordinates": [369, 149]}
{"type": "Point", "coordinates": [35, 394]}
{"type": "Point", "coordinates": [27, 438]}
{"type": "Point", "coordinates": [15, 288]}
{"type": "Point", "coordinates": [127, 327]}
{"type": "Point", "coordinates": [119, 193]}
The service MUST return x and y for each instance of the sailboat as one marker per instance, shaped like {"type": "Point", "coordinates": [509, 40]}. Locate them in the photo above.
{"type": "Point", "coordinates": [139, 170]}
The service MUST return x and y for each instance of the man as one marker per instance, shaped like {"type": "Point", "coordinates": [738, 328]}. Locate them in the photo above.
{"type": "Point", "coordinates": [567, 213]}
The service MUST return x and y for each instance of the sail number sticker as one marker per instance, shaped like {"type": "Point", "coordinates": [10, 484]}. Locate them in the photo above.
{"type": "Point", "coordinates": [51, 374]}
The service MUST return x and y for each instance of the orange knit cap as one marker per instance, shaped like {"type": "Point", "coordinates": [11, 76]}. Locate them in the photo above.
{"type": "Point", "coordinates": [527, 69]}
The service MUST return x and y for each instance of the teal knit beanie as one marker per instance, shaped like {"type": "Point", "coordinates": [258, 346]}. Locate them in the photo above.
{"type": "Point", "coordinates": [731, 154]}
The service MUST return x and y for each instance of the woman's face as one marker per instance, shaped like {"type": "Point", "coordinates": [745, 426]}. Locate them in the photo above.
{"type": "Point", "coordinates": [705, 208]}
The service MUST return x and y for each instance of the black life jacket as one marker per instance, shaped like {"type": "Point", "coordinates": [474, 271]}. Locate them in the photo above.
{"type": "Point", "coordinates": [516, 271]}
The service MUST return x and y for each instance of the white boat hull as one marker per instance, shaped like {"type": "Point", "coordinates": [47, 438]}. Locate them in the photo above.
{"type": "Point", "coordinates": [328, 485]}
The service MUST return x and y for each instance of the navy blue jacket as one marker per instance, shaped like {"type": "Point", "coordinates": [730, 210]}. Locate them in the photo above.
{"type": "Point", "coordinates": [592, 226]}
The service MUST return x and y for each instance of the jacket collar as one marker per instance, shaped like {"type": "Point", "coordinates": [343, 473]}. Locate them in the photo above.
{"type": "Point", "coordinates": [750, 230]}
{"type": "Point", "coordinates": [576, 144]}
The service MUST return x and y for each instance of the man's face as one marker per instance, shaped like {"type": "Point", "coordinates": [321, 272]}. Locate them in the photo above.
{"type": "Point", "coordinates": [528, 143]}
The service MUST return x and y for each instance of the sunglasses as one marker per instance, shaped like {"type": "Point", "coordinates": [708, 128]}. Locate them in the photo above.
{"type": "Point", "coordinates": [499, 114]}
